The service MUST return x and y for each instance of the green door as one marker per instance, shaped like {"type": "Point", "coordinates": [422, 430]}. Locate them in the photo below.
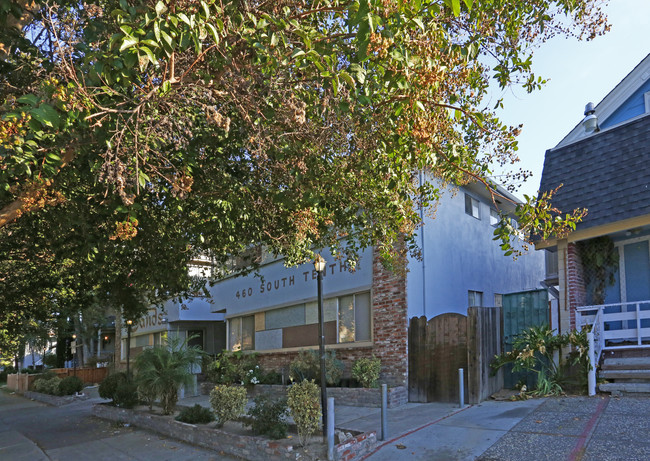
{"type": "Point", "coordinates": [520, 311]}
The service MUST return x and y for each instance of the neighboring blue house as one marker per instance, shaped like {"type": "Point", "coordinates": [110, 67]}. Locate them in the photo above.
{"type": "Point", "coordinates": [604, 265]}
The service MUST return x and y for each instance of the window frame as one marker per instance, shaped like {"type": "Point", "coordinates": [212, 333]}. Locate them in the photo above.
{"type": "Point", "coordinates": [368, 328]}
{"type": "Point", "coordinates": [494, 215]}
{"type": "Point", "coordinates": [471, 295]}
{"type": "Point", "coordinates": [469, 206]}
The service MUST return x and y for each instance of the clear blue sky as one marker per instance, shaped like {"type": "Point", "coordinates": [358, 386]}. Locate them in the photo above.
{"type": "Point", "coordinates": [578, 72]}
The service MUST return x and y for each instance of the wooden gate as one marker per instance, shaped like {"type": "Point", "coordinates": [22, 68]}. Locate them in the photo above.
{"type": "Point", "coordinates": [520, 311]}
{"type": "Point", "coordinates": [442, 345]}
{"type": "Point", "coordinates": [437, 349]}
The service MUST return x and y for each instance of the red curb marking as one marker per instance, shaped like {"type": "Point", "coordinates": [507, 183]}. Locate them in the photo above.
{"type": "Point", "coordinates": [388, 442]}
{"type": "Point", "coordinates": [589, 428]}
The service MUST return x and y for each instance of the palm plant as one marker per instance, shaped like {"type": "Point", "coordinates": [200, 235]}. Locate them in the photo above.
{"type": "Point", "coordinates": [162, 370]}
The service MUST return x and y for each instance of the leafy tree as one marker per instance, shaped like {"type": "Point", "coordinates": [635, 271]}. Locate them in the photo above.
{"type": "Point", "coordinates": [137, 134]}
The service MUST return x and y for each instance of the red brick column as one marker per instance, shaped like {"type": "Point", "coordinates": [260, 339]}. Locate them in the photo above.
{"type": "Point", "coordinates": [575, 282]}
{"type": "Point", "coordinates": [390, 323]}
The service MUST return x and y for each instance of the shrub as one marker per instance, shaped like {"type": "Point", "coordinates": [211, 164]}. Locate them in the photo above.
{"type": "Point", "coordinates": [126, 395]}
{"type": "Point", "coordinates": [304, 405]}
{"type": "Point", "coordinates": [534, 349]}
{"type": "Point", "coordinates": [235, 368]}
{"type": "Point", "coordinates": [366, 371]}
{"type": "Point", "coordinates": [48, 385]}
{"type": "Point", "coordinates": [7, 371]}
{"type": "Point", "coordinates": [49, 360]}
{"type": "Point", "coordinates": [108, 387]}
{"type": "Point", "coordinates": [195, 415]}
{"type": "Point", "coordinates": [307, 367]}
{"type": "Point", "coordinates": [269, 417]}
{"type": "Point", "coordinates": [70, 384]}
{"type": "Point", "coordinates": [147, 395]}
{"type": "Point", "coordinates": [164, 369]}
{"type": "Point", "coordinates": [228, 402]}
{"type": "Point", "coordinates": [272, 377]}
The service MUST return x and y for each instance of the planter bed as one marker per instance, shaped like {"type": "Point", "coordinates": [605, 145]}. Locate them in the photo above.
{"type": "Point", "coordinates": [54, 400]}
{"type": "Point", "coordinates": [350, 396]}
{"type": "Point", "coordinates": [233, 439]}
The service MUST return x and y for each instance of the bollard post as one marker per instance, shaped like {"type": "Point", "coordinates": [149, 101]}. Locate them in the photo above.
{"type": "Point", "coordinates": [330, 428]}
{"type": "Point", "coordinates": [591, 376]}
{"type": "Point", "coordinates": [461, 383]}
{"type": "Point", "coordinates": [384, 412]}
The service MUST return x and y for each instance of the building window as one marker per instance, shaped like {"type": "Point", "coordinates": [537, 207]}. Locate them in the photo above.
{"type": "Point", "coordinates": [472, 206]}
{"type": "Point", "coordinates": [242, 333]}
{"type": "Point", "coordinates": [195, 338]}
{"type": "Point", "coordinates": [494, 217]}
{"type": "Point", "coordinates": [354, 318]}
{"type": "Point", "coordinates": [498, 300]}
{"type": "Point", "coordinates": [475, 298]}
{"type": "Point", "coordinates": [347, 319]}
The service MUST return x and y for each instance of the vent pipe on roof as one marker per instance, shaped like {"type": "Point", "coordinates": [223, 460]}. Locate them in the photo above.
{"type": "Point", "coordinates": [590, 121]}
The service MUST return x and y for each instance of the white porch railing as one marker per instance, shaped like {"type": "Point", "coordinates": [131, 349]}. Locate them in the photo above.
{"type": "Point", "coordinates": [615, 329]}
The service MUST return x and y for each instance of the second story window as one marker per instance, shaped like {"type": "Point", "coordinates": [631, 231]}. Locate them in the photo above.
{"type": "Point", "coordinates": [494, 217]}
{"type": "Point", "coordinates": [472, 206]}
{"type": "Point", "coordinates": [475, 298]}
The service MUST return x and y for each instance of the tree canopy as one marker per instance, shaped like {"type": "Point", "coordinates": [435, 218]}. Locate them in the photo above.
{"type": "Point", "coordinates": [135, 135]}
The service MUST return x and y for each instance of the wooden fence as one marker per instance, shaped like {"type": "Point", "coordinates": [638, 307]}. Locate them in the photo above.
{"type": "Point", "coordinates": [87, 374]}
{"type": "Point", "coordinates": [485, 339]}
{"type": "Point", "coordinates": [440, 346]}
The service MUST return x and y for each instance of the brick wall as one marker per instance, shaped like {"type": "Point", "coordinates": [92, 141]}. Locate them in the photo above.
{"type": "Point", "coordinates": [354, 397]}
{"type": "Point", "coordinates": [390, 326]}
{"type": "Point", "coordinates": [575, 282]}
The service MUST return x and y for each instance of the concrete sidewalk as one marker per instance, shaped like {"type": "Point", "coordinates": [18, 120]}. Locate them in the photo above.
{"type": "Point", "coordinates": [426, 431]}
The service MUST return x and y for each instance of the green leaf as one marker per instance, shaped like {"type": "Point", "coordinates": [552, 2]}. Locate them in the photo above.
{"type": "Point", "coordinates": [359, 72]}
{"type": "Point", "coordinates": [30, 99]}
{"type": "Point", "coordinates": [47, 115]}
{"type": "Point", "coordinates": [213, 32]}
{"type": "Point", "coordinates": [156, 30]}
{"type": "Point", "coordinates": [142, 178]}
{"type": "Point", "coordinates": [274, 39]}
{"type": "Point", "coordinates": [150, 42]}
{"type": "Point", "coordinates": [149, 54]}
{"type": "Point", "coordinates": [455, 6]}
{"type": "Point", "coordinates": [128, 43]}
{"type": "Point", "coordinates": [348, 79]}
{"type": "Point", "coordinates": [168, 42]}
{"type": "Point", "coordinates": [297, 52]}
{"type": "Point", "coordinates": [468, 4]}
{"type": "Point", "coordinates": [185, 19]}
{"type": "Point", "coordinates": [160, 8]}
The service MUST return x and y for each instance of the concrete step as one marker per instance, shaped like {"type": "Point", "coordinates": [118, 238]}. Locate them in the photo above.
{"type": "Point", "coordinates": [625, 374]}
{"type": "Point", "coordinates": [643, 388]}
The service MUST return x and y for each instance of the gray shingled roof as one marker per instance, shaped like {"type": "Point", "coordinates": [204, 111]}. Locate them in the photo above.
{"type": "Point", "coordinates": [608, 173]}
